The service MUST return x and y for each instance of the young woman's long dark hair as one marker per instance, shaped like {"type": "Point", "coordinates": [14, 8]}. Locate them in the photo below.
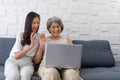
{"type": "Point", "coordinates": [28, 28]}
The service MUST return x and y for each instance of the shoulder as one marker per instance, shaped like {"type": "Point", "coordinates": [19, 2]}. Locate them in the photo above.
{"type": "Point", "coordinates": [19, 35]}
{"type": "Point", "coordinates": [69, 41]}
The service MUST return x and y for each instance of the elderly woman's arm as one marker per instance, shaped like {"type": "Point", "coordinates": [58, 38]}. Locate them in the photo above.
{"type": "Point", "coordinates": [39, 54]}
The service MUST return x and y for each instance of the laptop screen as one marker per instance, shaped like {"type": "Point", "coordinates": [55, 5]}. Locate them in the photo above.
{"type": "Point", "coordinates": [63, 55]}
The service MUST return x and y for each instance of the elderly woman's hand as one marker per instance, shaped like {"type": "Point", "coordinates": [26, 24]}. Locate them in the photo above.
{"type": "Point", "coordinates": [42, 40]}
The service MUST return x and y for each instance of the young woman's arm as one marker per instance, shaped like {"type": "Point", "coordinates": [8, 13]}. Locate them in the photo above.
{"type": "Point", "coordinates": [21, 53]}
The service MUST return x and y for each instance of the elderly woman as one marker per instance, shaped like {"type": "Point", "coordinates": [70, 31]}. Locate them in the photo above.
{"type": "Point", "coordinates": [55, 27]}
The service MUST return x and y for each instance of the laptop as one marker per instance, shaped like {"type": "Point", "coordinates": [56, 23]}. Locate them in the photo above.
{"type": "Point", "coordinates": [63, 55]}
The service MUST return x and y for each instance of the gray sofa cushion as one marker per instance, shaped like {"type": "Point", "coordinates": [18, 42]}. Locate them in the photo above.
{"type": "Point", "coordinates": [96, 53]}
{"type": "Point", "coordinates": [102, 76]}
{"type": "Point", "coordinates": [102, 73]}
{"type": "Point", "coordinates": [5, 48]}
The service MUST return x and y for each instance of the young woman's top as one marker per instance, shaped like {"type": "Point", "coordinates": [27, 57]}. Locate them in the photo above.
{"type": "Point", "coordinates": [18, 46]}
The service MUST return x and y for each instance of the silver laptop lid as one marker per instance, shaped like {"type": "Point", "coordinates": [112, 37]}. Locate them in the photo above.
{"type": "Point", "coordinates": [63, 55]}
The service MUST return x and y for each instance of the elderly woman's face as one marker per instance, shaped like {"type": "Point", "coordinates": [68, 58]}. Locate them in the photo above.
{"type": "Point", "coordinates": [55, 29]}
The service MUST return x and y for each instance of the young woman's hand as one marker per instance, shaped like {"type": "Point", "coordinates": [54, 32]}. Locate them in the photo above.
{"type": "Point", "coordinates": [42, 41]}
{"type": "Point", "coordinates": [32, 38]}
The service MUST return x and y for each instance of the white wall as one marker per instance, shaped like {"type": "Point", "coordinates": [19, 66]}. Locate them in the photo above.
{"type": "Point", "coordinates": [83, 19]}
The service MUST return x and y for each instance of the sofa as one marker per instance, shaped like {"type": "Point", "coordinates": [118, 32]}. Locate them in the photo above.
{"type": "Point", "coordinates": [98, 62]}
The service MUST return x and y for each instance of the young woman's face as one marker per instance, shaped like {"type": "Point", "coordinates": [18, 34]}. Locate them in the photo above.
{"type": "Point", "coordinates": [55, 29]}
{"type": "Point", "coordinates": [35, 24]}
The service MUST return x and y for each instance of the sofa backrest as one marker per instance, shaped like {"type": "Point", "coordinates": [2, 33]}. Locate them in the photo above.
{"type": "Point", "coordinates": [96, 53]}
{"type": "Point", "coordinates": [5, 48]}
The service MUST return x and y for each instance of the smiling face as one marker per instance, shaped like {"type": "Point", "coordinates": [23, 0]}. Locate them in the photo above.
{"type": "Point", "coordinates": [55, 29]}
{"type": "Point", "coordinates": [35, 24]}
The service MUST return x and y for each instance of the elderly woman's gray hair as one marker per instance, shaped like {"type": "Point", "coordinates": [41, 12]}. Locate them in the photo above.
{"type": "Point", "coordinates": [54, 19]}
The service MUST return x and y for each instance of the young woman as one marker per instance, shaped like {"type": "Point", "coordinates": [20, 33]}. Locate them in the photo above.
{"type": "Point", "coordinates": [19, 64]}
{"type": "Point", "coordinates": [55, 27]}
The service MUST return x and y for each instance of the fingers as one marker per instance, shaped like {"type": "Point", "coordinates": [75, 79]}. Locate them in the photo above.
{"type": "Point", "coordinates": [42, 40]}
{"type": "Point", "coordinates": [42, 36]}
